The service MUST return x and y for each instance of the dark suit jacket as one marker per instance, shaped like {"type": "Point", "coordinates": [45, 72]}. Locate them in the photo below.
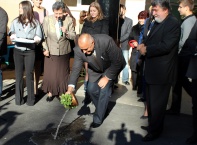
{"type": "Point", "coordinates": [109, 60]}
{"type": "Point", "coordinates": [191, 47]}
{"type": "Point", "coordinates": [124, 33]}
{"type": "Point", "coordinates": [162, 49]}
{"type": "Point", "coordinates": [3, 30]}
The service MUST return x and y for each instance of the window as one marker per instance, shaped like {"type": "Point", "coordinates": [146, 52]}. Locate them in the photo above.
{"type": "Point", "coordinates": [86, 2]}
{"type": "Point", "coordinates": [71, 2]}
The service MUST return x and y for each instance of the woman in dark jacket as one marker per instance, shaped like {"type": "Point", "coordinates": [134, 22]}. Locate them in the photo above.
{"type": "Point", "coordinates": [135, 63]}
{"type": "Point", "coordinates": [95, 22]}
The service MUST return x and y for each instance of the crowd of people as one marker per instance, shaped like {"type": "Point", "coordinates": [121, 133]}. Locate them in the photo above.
{"type": "Point", "coordinates": [164, 56]}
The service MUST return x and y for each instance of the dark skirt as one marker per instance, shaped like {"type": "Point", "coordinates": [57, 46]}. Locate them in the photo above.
{"type": "Point", "coordinates": [56, 73]}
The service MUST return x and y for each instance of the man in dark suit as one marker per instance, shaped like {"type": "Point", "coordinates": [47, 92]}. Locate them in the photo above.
{"type": "Point", "coordinates": [160, 49]}
{"type": "Point", "coordinates": [105, 61]}
{"type": "Point", "coordinates": [186, 11]}
{"type": "Point", "coordinates": [3, 40]}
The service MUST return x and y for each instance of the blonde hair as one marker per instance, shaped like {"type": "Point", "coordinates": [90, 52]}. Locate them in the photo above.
{"type": "Point", "coordinates": [100, 12]}
{"type": "Point", "coordinates": [82, 15]}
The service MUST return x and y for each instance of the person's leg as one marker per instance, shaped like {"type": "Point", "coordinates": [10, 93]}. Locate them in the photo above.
{"type": "Point", "coordinates": [194, 103]}
{"type": "Point", "coordinates": [19, 62]}
{"type": "Point", "coordinates": [193, 138]}
{"type": "Point", "coordinates": [1, 80]}
{"type": "Point", "coordinates": [176, 98]}
{"type": "Point", "coordinates": [182, 81]}
{"type": "Point", "coordinates": [37, 73]}
{"type": "Point", "coordinates": [87, 100]}
{"type": "Point", "coordinates": [125, 71]}
{"type": "Point", "coordinates": [100, 98]}
{"type": "Point", "coordinates": [29, 69]}
{"type": "Point", "coordinates": [134, 80]}
{"type": "Point", "coordinates": [157, 98]}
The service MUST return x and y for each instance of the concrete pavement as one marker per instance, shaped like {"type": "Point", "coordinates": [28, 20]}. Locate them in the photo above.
{"type": "Point", "coordinates": [36, 125]}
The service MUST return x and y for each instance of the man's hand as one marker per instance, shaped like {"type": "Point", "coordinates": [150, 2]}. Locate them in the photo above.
{"type": "Point", "coordinates": [64, 30]}
{"type": "Point", "coordinates": [103, 82]}
{"type": "Point", "coordinates": [37, 39]}
{"type": "Point", "coordinates": [46, 53]}
{"type": "Point", "coordinates": [135, 44]}
{"type": "Point", "coordinates": [70, 90]}
{"type": "Point", "coordinates": [142, 49]}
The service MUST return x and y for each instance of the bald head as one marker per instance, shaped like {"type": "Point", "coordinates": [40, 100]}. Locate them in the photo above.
{"type": "Point", "coordinates": [86, 43]}
{"type": "Point", "coordinates": [84, 38]}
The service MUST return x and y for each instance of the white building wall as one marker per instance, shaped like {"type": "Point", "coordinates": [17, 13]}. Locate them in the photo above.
{"type": "Point", "coordinates": [133, 8]}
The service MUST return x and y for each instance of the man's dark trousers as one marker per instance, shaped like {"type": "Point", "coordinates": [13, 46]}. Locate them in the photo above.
{"type": "Point", "coordinates": [157, 99]}
{"type": "Point", "coordinates": [100, 98]}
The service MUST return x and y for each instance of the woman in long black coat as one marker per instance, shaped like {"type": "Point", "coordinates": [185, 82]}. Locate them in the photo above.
{"type": "Point", "coordinates": [135, 62]}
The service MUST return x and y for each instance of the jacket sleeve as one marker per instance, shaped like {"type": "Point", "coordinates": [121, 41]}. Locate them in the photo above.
{"type": "Point", "coordinates": [39, 32]}
{"type": "Point", "coordinates": [186, 29]}
{"type": "Point", "coordinates": [3, 27]}
{"type": "Point", "coordinates": [125, 36]}
{"type": "Point", "coordinates": [45, 29]}
{"type": "Point", "coordinates": [84, 28]}
{"type": "Point", "coordinates": [71, 34]}
{"type": "Point", "coordinates": [116, 59]}
{"type": "Point", "coordinates": [76, 68]}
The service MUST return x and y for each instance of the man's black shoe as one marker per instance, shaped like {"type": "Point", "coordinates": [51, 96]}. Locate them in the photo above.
{"type": "Point", "coordinates": [144, 117]}
{"type": "Point", "coordinates": [144, 128]}
{"type": "Point", "coordinates": [192, 139]}
{"type": "Point", "coordinates": [150, 137]}
{"type": "Point", "coordinates": [141, 100]}
{"type": "Point", "coordinates": [172, 112]}
{"type": "Point", "coordinates": [134, 88]}
{"type": "Point", "coordinates": [94, 125]}
{"type": "Point", "coordinates": [126, 83]}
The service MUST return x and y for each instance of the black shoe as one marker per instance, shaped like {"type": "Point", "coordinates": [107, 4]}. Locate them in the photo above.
{"type": "Point", "coordinates": [149, 137]}
{"type": "Point", "coordinates": [1, 99]}
{"type": "Point", "coordinates": [134, 88]}
{"type": "Point", "coordinates": [144, 117]}
{"type": "Point", "coordinates": [192, 139]}
{"type": "Point", "coordinates": [144, 128]}
{"type": "Point", "coordinates": [172, 112]}
{"type": "Point", "coordinates": [94, 125]}
{"type": "Point", "coordinates": [49, 99]}
{"type": "Point", "coordinates": [141, 100]}
{"type": "Point", "coordinates": [126, 83]}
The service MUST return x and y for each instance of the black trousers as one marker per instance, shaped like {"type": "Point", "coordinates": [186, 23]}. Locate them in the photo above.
{"type": "Point", "coordinates": [194, 103]}
{"type": "Point", "coordinates": [182, 81]}
{"type": "Point", "coordinates": [157, 99]}
{"type": "Point", "coordinates": [24, 59]}
{"type": "Point", "coordinates": [100, 99]}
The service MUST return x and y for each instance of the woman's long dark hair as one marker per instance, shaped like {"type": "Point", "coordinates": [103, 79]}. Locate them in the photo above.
{"type": "Point", "coordinates": [27, 14]}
